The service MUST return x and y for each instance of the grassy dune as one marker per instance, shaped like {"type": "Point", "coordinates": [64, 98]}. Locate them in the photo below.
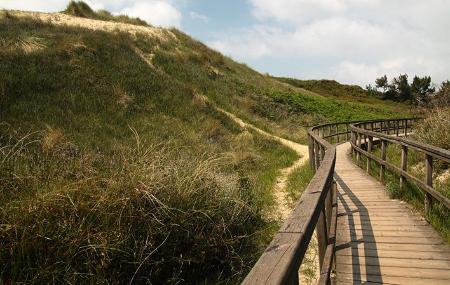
{"type": "Point", "coordinates": [115, 169]}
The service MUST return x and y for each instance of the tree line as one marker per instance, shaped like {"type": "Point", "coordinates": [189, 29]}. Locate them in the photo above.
{"type": "Point", "coordinates": [420, 91]}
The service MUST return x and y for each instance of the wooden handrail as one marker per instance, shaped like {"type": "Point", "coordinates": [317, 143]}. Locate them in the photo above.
{"type": "Point", "coordinates": [315, 210]}
{"type": "Point", "coordinates": [317, 207]}
{"type": "Point", "coordinates": [360, 130]}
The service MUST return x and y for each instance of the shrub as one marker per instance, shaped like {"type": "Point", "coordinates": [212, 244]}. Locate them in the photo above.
{"type": "Point", "coordinates": [435, 129]}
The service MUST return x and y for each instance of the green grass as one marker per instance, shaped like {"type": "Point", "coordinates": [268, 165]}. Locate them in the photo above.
{"type": "Point", "coordinates": [113, 170]}
{"type": "Point", "coordinates": [187, 200]}
{"type": "Point", "coordinates": [298, 181]}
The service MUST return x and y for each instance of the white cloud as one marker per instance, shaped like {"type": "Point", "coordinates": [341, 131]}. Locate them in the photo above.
{"type": "Point", "coordinates": [349, 40]}
{"type": "Point", "coordinates": [158, 13]}
{"type": "Point", "coordinates": [197, 16]}
{"type": "Point", "coordinates": [33, 5]}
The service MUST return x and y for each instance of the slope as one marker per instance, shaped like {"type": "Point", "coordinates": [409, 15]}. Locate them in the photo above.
{"type": "Point", "coordinates": [114, 165]}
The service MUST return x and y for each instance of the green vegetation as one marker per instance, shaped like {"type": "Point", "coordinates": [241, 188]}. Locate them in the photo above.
{"type": "Point", "coordinates": [298, 181]}
{"type": "Point", "coordinates": [116, 166]}
{"type": "Point", "coordinates": [419, 92]}
{"type": "Point", "coordinates": [329, 88]}
{"type": "Point", "coordinates": [112, 170]}
{"type": "Point", "coordinates": [81, 9]}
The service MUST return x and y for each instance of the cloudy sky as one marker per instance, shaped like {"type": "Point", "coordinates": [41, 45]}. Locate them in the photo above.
{"type": "Point", "coordinates": [352, 41]}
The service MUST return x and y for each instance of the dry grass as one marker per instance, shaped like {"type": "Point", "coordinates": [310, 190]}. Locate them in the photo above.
{"type": "Point", "coordinates": [435, 129]}
{"type": "Point", "coordinates": [124, 218]}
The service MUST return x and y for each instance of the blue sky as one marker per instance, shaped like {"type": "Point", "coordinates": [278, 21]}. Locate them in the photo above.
{"type": "Point", "coordinates": [352, 41]}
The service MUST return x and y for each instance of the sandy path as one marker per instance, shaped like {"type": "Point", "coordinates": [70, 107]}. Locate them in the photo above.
{"type": "Point", "coordinates": [282, 200]}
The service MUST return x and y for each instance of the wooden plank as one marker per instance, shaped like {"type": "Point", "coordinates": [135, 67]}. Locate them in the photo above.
{"type": "Point", "coordinates": [427, 255]}
{"type": "Point", "coordinates": [442, 250]}
{"type": "Point", "coordinates": [345, 278]}
{"type": "Point", "coordinates": [394, 271]}
{"type": "Point", "coordinates": [390, 239]}
{"type": "Point", "coordinates": [344, 234]}
{"type": "Point", "coordinates": [395, 262]}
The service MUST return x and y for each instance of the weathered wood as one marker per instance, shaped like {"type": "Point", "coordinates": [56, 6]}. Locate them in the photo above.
{"type": "Point", "coordinates": [375, 233]}
{"type": "Point", "coordinates": [281, 260]}
{"type": "Point", "coordinates": [369, 149]}
{"type": "Point", "coordinates": [384, 230]}
{"type": "Point", "coordinates": [429, 181]}
{"type": "Point", "coordinates": [404, 165]}
{"type": "Point", "coordinates": [383, 158]}
{"type": "Point", "coordinates": [322, 236]}
{"type": "Point", "coordinates": [435, 194]}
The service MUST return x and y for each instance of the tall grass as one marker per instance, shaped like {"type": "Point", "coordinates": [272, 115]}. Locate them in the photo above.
{"type": "Point", "coordinates": [146, 213]}
{"type": "Point", "coordinates": [86, 200]}
{"type": "Point", "coordinates": [435, 128]}
{"type": "Point", "coordinates": [81, 9]}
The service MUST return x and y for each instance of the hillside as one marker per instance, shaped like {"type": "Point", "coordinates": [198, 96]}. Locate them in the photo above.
{"type": "Point", "coordinates": [116, 165]}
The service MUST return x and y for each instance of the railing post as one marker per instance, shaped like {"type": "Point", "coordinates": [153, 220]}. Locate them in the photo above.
{"type": "Point", "coordinates": [397, 125]}
{"type": "Point", "coordinates": [404, 165]}
{"type": "Point", "coordinates": [316, 155]}
{"type": "Point", "coordinates": [322, 235]}
{"type": "Point", "coordinates": [312, 162]}
{"type": "Point", "coordinates": [383, 157]}
{"type": "Point", "coordinates": [429, 180]}
{"type": "Point", "coordinates": [329, 204]}
{"type": "Point", "coordinates": [406, 128]}
{"type": "Point", "coordinates": [358, 144]}
{"type": "Point", "coordinates": [346, 132]}
{"type": "Point", "coordinates": [329, 133]}
{"type": "Point", "coordinates": [369, 150]}
{"type": "Point", "coordinates": [337, 131]}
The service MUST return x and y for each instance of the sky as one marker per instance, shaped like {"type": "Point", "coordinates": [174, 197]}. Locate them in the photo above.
{"type": "Point", "coordinates": [351, 41]}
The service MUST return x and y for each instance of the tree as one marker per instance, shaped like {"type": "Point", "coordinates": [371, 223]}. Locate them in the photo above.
{"type": "Point", "coordinates": [421, 90]}
{"type": "Point", "coordinates": [372, 91]}
{"type": "Point", "coordinates": [442, 97]}
{"type": "Point", "coordinates": [402, 88]}
{"type": "Point", "coordinates": [382, 83]}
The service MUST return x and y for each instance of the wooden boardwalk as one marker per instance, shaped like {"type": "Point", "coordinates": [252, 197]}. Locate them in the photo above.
{"type": "Point", "coordinates": [380, 240]}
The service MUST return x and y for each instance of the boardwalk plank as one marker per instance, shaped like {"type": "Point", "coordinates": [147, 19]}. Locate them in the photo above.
{"type": "Point", "coordinates": [381, 240]}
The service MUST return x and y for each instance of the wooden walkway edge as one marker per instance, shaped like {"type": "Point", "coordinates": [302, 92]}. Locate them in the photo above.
{"type": "Point", "coordinates": [380, 240]}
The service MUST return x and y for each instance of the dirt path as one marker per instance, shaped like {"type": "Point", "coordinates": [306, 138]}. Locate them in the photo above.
{"type": "Point", "coordinates": [283, 207]}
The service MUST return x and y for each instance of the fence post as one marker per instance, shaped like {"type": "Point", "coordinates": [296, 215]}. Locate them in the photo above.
{"type": "Point", "coordinates": [358, 144]}
{"type": "Point", "coordinates": [346, 132]}
{"type": "Point", "coordinates": [404, 165]}
{"type": "Point", "coordinates": [322, 235]}
{"type": "Point", "coordinates": [383, 157]}
{"type": "Point", "coordinates": [397, 127]}
{"type": "Point", "coordinates": [429, 180]}
{"type": "Point", "coordinates": [329, 204]}
{"type": "Point", "coordinates": [312, 161]}
{"type": "Point", "coordinates": [406, 128]}
{"type": "Point", "coordinates": [329, 133]}
{"type": "Point", "coordinates": [316, 154]}
{"type": "Point", "coordinates": [369, 150]}
{"type": "Point", "coordinates": [337, 131]}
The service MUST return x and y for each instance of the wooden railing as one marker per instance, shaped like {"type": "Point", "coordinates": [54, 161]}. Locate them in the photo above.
{"type": "Point", "coordinates": [317, 207]}
{"type": "Point", "coordinates": [315, 210]}
{"type": "Point", "coordinates": [365, 134]}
